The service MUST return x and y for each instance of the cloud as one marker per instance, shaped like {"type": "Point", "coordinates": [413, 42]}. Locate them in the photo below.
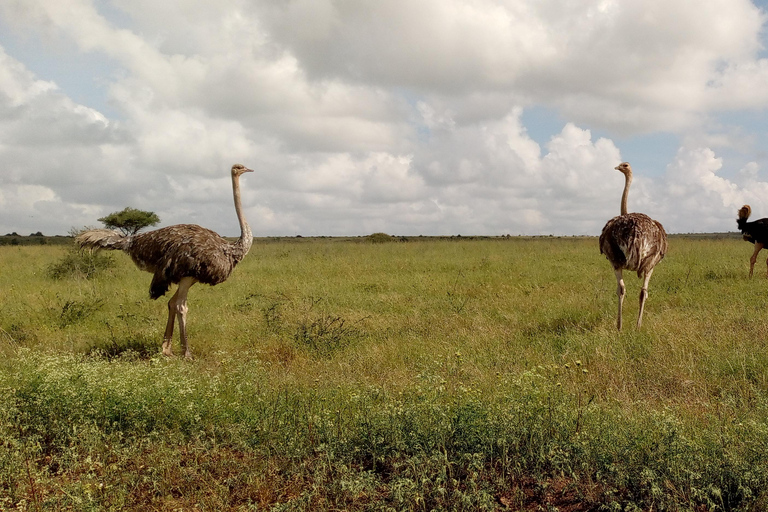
{"type": "Point", "coordinates": [404, 117]}
{"type": "Point", "coordinates": [694, 198]}
{"type": "Point", "coordinates": [51, 153]}
{"type": "Point", "coordinates": [627, 65]}
{"type": "Point", "coordinates": [35, 113]}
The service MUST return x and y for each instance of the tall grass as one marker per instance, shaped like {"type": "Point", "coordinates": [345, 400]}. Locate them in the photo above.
{"type": "Point", "coordinates": [407, 375]}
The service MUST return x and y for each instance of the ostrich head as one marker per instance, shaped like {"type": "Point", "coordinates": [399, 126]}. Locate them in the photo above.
{"type": "Point", "coordinates": [624, 168]}
{"type": "Point", "coordinates": [239, 169]}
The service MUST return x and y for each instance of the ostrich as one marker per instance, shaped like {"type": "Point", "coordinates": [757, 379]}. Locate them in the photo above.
{"type": "Point", "coordinates": [632, 241]}
{"type": "Point", "coordinates": [754, 232]}
{"type": "Point", "coordinates": [183, 254]}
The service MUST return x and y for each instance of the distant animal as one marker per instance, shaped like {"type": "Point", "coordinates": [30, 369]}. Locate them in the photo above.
{"type": "Point", "coordinates": [182, 254]}
{"type": "Point", "coordinates": [632, 241]}
{"type": "Point", "coordinates": [755, 232]}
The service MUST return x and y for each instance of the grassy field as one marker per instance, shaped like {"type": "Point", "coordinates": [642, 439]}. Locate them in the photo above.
{"type": "Point", "coordinates": [448, 374]}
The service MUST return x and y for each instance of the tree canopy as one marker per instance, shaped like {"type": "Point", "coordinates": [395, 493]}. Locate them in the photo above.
{"type": "Point", "coordinates": [130, 220]}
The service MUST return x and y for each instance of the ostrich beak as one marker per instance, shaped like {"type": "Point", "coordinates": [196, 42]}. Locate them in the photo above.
{"type": "Point", "coordinates": [247, 170]}
{"type": "Point", "coordinates": [617, 167]}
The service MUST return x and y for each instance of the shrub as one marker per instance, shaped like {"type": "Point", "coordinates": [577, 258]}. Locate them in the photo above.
{"type": "Point", "coordinates": [379, 238]}
{"type": "Point", "coordinates": [326, 334]}
{"type": "Point", "coordinates": [80, 265]}
{"type": "Point", "coordinates": [129, 348]}
{"type": "Point", "coordinates": [74, 311]}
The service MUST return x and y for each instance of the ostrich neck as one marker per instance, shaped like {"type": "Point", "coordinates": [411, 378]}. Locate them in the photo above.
{"type": "Point", "coordinates": [246, 237]}
{"type": "Point", "coordinates": [627, 183]}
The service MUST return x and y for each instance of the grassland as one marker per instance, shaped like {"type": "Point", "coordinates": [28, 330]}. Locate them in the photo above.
{"type": "Point", "coordinates": [419, 375]}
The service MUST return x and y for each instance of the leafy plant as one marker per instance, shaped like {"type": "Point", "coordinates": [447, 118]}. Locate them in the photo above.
{"type": "Point", "coordinates": [136, 345]}
{"type": "Point", "coordinates": [326, 334]}
{"type": "Point", "coordinates": [80, 265]}
{"type": "Point", "coordinates": [74, 311]}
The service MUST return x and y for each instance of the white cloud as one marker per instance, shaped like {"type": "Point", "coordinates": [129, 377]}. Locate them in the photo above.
{"type": "Point", "coordinates": [27, 206]}
{"type": "Point", "coordinates": [54, 153]}
{"type": "Point", "coordinates": [627, 65]}
{"type": "Point", "coordinates": [397, 116]}
{"type": "Point", "coordinates": [17, 84]}
{"type": "Point", "coordinates": [693, 198]}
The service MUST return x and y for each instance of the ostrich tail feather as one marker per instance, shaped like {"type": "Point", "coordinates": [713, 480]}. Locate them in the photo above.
{"type": "Point", "coordinates": [744, 213]}
{"type": "Point", "coordinates": [95, 239]}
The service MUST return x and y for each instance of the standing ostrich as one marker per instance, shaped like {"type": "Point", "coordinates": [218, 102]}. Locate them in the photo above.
{"type": "Point", "coordinates": [754, 232]}
{"type": "Point", "coordinates": [182, 254]}
{"type": "Point", "coordinates": [632, 241]}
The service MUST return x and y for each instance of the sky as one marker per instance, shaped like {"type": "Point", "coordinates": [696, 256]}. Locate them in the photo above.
{"type": "Point", "coordinates": [434, 117]}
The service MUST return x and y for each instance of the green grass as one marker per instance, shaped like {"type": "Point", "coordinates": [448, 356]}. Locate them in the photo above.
{"type": "Point", "coordinates": [434, 374]}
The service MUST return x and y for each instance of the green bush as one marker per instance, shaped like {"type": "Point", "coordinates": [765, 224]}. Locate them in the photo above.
{"type": "Point", "coordinates": [379, 238]}
{"type": "Point", "coordinates": [134, 346]}
{"type": "Point", "coordinates": [78, 264]}
{"type": "Point", "coordinates": [74, 311]}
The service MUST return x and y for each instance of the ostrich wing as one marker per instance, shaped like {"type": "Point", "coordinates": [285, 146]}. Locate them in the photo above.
{"type": "Point", "coordinates": [756, 232]}
{"type": "Point", "coordinates": [183, 250]}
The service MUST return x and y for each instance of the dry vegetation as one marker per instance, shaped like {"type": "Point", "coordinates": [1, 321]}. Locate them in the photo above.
{"type": "Point", "coordinates": [433, 374]}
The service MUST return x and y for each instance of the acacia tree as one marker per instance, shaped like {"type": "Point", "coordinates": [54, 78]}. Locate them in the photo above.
{"type": "Point", "coordinates": [130, 220]}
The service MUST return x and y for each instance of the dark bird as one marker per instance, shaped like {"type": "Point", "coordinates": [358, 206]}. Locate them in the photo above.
{"type": "Point", "coordinates": [755, 232]}
{"type": "Point", "coordinates": [632, 241]}
{"type": "Point", "coordinates": [183, 254]}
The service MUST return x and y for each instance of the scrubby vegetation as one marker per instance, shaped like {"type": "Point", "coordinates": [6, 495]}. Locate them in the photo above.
{"type": "Point", "coordinates": [80, 264]}
{"type": "Point", "coordinates": [472, 375]}
{"type": "Point", "coordinates": [379, 238]}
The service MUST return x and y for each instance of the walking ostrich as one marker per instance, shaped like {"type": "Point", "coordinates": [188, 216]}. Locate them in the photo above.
{"type": "Point", "coordinates": [632, 241]}
{"type": "Point", "coordinates": [183, 254]}
{"type": "Point", "coordinates": [754, 232]}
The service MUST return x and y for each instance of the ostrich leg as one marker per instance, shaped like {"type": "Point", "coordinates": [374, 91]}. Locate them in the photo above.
{"type": "Point", "coordinates": [168, 336]}
{"type": "Point", "coordinates": [643, 296]}
{"type": "Point", "coordinates": [621, 290]}
{"type": "Point", "coordinates": [181, 312]}
{"type": "Point", "coordinates": [753, 259]}
{"type": "Point", "coordinates": [177, 307]}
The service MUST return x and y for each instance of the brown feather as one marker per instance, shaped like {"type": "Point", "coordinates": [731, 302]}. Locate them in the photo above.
{"type": "Point", "coordinates": [183, 250]}
{"type": "Point", "coordinates": [744, 213]}
{"type": "Point", "coordinates": [633, 242]}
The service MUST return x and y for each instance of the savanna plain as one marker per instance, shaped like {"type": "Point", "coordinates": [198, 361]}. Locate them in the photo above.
{"type": "Point", "coordinates": [419, 374]}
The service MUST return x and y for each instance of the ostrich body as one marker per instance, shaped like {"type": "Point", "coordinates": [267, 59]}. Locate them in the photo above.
{"type": "Point", "coordinates": [755, 232]}
{"type": "Point", "coordinates": [183, 254]}
{"type": "Point", "coordinates": [632, 241]}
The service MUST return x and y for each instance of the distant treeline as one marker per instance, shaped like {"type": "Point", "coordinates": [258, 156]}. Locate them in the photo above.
{"type": "Point", "coordinates": [34, 239]}
{"type": "Point", "coordinates": [40, 239]}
